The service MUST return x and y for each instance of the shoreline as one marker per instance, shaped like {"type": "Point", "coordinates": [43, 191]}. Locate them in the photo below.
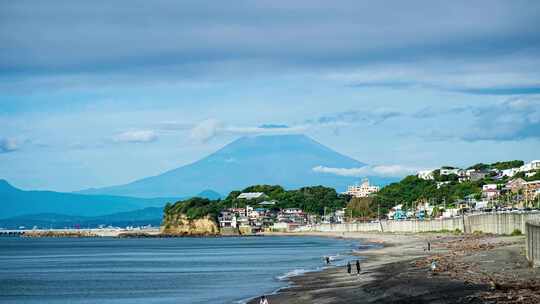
{"type": "Point", "coordinates": [399, 271]}
{"type": "Point", "coordinates": [472, 268]}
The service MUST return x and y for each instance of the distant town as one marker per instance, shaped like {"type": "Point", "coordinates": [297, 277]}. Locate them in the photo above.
{"type": "Point", "coordinates": [502, 187]}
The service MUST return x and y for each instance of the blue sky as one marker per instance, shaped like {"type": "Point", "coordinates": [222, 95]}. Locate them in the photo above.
{"type": "Point", "coordinates": [101, 93]}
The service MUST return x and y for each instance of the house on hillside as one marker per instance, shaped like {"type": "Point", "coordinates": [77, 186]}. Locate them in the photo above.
{"type": "Point", "coordinates": [510, 172]}
{"type": "Point", "coordinates": [292, 215]}
{"type": "Point", "coordinates": [477, 175]}
{"type": "Point", "coordinates": [533, 165]}
{"type": "Point", "coordinates": [515, 185]}
{"type": "Point", "coordinates": [530, 174]}
{"type": "Point", "coordinates": [251, 195]}
{"type": "Point", "coordinates": [227, 219]}
{"type": "Point", "coordinates": [490, 191]}
{"type": "Point", "coordinates": [532, 190]}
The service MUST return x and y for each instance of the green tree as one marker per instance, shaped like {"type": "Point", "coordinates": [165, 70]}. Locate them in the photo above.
{"type": "Point", "coordinates": [361, 207]}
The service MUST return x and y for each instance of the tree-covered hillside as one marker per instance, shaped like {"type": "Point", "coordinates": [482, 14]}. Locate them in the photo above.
{"type": "Point", "coordinates": [498, 165]}
{"type": "Point", "coordinates": [413, 189]}
{"type": "Point", "coordinates": [310, 199]}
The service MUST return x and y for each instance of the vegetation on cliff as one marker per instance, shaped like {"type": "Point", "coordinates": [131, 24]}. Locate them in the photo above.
{"type": "Point", "coordinates": [498, 165]}
{"type": "Point", "coordinates": [195, 216]}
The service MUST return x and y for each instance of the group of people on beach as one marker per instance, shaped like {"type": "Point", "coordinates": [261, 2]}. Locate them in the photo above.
{"type": "Point", "coordinates": [349, 266]}
{"type": "Point", "coordinates": [264, 299]}
{"type": "Point", "coordinates": [358, 268]}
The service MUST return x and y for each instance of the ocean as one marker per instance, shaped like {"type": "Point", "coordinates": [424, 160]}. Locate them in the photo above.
{"type": "Point", "coordinates": [154, 270]}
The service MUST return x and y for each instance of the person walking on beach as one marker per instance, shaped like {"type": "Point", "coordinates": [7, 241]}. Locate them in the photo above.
{"type": "Point", "coordinates": [349, 267]}
{"type": "Point", "coordinates": [358, 269]}
{"type": "Point", "coordinates": [263, 300]}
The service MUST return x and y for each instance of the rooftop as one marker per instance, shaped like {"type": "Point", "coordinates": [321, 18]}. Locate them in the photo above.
{"type": "Point", "coordinates": [251, 195]}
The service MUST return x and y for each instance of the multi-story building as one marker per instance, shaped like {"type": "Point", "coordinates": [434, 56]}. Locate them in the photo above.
{"type": "Point", "coordinates": [532, 190]}
{"type": "Point", "coordinates": [362, 190]}
{"type": "Point", "coordinates": [515, 185]}
{"type": "Point", "coordinates": [533, 165]}
{"type": "Point", "coordinates": [227, 219]}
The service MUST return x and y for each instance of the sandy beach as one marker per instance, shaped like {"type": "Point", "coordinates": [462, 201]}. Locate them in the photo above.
{"type": "Point", "coordinates": [468, 269]}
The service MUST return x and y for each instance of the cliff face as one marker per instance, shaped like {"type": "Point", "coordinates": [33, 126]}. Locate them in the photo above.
{"type": "Point", "coordinates": [179, 224]}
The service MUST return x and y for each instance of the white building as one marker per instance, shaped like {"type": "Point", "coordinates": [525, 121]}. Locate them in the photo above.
{"type": "Point", "coordinates": [530, 174]}
{"type": "Point", "coordinates": [251, 195]}
{"type": "Point", "coordinates": [481, 205]}
{"type": "Point", "coordinates": [227, 219]}
{"type": "Point", "coordinates": [425, 174]}
{"type": "Point", "coordinates": [362, 190]}
{"type": "Point", "coordinates": [450, 171]}
{"type": "Point", "coordinates": [268, 203]}
{"type": "Point", "coordinates": [510, 172]}
{"type": "Point", "coordinates": [440, 184]}
{"type": "Point", "coordinates": [292, 211]}
{"type": "Point", "coordinates": [453, 212]}
{"type": "Point", "coordinates": [339, 216]}
{"type": "Point", "coordinates": [490, 191]}
{"type": "Point", "coordinates": [533, 165]}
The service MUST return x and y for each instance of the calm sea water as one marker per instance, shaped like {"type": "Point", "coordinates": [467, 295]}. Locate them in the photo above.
{"type": "Point", "coordinates": [175, 270]}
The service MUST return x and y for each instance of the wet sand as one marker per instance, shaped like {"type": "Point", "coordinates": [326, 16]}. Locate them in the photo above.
{"type": "Point", "coordinates": [469, 270]}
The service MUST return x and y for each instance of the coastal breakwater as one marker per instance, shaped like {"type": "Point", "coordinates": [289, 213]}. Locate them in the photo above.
{"type": "Point", "coordinates": [496, 223]}
{"type": "Point", "coordinates": [69, 232]}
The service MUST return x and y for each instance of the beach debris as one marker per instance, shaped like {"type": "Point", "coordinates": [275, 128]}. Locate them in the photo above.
{"type": "Point", "coordinates": [504, 288]}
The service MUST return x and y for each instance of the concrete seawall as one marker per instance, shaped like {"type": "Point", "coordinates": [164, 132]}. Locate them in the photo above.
{"type": "Point", "coordinates": [497, 223]}
{"type": "Point", "coordinates": [73, 232]}
{"type": "Point", "coordinates": [533, 242]}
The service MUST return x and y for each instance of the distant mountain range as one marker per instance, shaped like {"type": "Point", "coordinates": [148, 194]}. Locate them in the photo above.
{"type": "Point", "coordinates": [286, 160]}
{"type": "Point", "coordinates": [142, 217]}
{"type": "Point", "coordinates": [15, 202]}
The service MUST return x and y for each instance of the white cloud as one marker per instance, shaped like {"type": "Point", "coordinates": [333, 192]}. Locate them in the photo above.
{"type": "Point", "coordinates": [379, 170]}
{"type": "Point", "coordinates": [138, 136]}
{"type": "Point", "coordinates": [210, 128]}
{"type": "Point", "coordinates": [8, 145]}
{"type": "Point", "coordinates": [393, 170]}
{"type": "Point", "coordinates": [507, 72]}
{"type": "Point", "coordinates": [341, 171]}
{"type": "Point", "coordinates": [206, 130]}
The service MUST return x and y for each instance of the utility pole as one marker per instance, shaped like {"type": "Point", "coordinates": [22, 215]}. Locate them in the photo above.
{"type": "Point", "coordinates": [444, 203]}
